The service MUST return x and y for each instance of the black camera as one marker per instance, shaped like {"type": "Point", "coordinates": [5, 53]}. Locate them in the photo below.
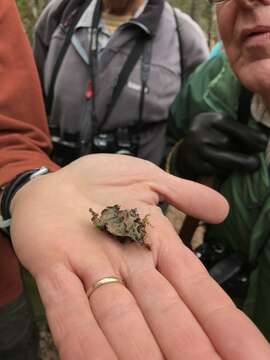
{"type": "Point", "coordinates": [69, 147]}
{"type": "Point", "coordinates": [66, 148]}
{"type": "Point", "coordinates": [228, 268]}
{"type": "Point", "coordinates": [121, 141]}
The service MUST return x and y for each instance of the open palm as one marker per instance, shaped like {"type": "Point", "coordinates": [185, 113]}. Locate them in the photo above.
{"type": "Point", "coordinates": [168, 307]}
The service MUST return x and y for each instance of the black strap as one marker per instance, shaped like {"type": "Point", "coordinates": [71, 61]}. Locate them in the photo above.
{"type": "Point", "coordinates": [93, 56]}
{"type": "Point", "coordinates": [243, 112]}
{"type": "Point", "coordinates": [11, 189]}
{"type": "Point", "coordinates": [124, 75]}
{"type": "Point", "coordinates": [117, 90]}
{"type": "Point", "coordinates": [62, 53]}
{"type": "Point", "coordinates": [9, 192]}
{"type": "Point", "coordinates": [180, 44]}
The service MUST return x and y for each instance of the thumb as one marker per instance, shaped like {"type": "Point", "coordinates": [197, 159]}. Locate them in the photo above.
{"type": "Point", "coordinates": [192, 198]}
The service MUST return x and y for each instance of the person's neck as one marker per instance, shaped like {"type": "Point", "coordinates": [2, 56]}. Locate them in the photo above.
{"type": "Point", "coordinates": [121, 7]}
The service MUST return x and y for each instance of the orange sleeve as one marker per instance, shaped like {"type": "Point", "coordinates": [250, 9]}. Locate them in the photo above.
{"type": "Point", "coordinates": [24, 136]}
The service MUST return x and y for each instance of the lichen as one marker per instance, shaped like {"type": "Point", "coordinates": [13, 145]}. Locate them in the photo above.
{"type": "Point", "coordinates": [125, 225]}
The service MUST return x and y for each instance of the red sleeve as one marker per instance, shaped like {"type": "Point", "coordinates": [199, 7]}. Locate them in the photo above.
{"type": "Point", "coordinates": [24, 135]}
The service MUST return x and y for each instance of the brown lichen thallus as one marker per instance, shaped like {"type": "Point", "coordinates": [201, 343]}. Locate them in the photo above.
{"type": "Point", "coordinates": [125, 225]}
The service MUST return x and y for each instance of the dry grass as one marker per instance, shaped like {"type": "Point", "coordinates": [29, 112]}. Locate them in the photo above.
{"type": "Point", "coordinates": [47, 349]}
{"type": "Point", "coordinates": [177, 217]}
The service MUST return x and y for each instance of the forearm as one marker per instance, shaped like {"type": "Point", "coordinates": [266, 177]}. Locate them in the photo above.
{"type": "Point", "coordinates": [24, 138]}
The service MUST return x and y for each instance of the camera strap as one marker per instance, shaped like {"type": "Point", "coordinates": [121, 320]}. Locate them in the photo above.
{"type": "Point", "coordinates": [243, 111]}
{"type": "Point", "coordinates": [69, 27]}
{"type": "Point", "coordinates": [180, 46]}
{"type": "Point", "coordinates": [117, 90]}
{"type": "Point", "coordinates": [123, 76]}
{"type": "Point", "coordinates": [145, 72]}
{"type": "Point", "coordinates": [93, 58]}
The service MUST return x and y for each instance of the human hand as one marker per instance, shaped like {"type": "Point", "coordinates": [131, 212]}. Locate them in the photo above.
{"type": "Point", "coordinates": [216, 145]}
{"type": "Point", "coordinates": [169, 307]}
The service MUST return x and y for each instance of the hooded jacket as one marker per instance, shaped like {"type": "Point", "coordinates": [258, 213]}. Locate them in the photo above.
{"type": "Point", "coordinates": [213, 87]}
{"type": "Point", "coordinates": [24, 137]}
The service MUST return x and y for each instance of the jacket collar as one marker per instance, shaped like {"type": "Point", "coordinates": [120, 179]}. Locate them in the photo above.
{"type": "Point", "coordinates": [147, 19]}
{"type": "Point", "coordinates": [217, 96]}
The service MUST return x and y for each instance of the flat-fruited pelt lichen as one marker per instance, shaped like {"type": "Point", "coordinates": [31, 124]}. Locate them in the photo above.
{"type": "Point", "coordinates": [125, 225]}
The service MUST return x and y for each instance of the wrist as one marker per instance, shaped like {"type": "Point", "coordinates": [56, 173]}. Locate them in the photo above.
{"type": "Point", "coordinates": [10, 191]}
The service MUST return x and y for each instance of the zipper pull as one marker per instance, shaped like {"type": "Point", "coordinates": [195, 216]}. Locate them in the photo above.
{"type": "Point", "coordinates": [89, 90]}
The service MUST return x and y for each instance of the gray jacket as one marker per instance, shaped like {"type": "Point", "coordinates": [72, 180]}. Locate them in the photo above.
{"type": "Point", "coordinates": [71, 110]}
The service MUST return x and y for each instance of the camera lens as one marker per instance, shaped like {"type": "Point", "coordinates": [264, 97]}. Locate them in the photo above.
{"type": "Point", "coordinates": [124, 152]}
{"type": "Point", "coordinates": [104, 143]}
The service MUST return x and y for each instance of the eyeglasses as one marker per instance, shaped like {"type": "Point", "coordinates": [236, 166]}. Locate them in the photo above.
{"type": "Point", "coordinates": [214, 2]}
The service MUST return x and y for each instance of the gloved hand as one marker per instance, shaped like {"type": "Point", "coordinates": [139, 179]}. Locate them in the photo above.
{"type": "Point", "coordinates": [216, 145]}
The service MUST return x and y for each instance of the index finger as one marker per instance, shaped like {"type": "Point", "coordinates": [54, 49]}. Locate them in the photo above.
{"type": "Point", "coordinates": [251, 139]}
{"type": "Point", "coordinates": [192, 198]}
{"type": "Point", "coordinates": [233, 335]}
{"type": "Point", "coordinates": [74, 328]}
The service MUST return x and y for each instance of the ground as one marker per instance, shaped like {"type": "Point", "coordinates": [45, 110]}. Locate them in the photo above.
{"type": "Point", "coordinates": [47, 348]}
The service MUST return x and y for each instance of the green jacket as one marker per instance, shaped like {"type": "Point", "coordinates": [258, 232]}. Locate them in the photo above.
{"type": "Point", "coordinates": [214, 87]}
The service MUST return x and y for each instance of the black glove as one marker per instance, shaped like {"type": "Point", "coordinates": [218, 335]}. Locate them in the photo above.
{"type": "Point", "coordinates": [217, 145]}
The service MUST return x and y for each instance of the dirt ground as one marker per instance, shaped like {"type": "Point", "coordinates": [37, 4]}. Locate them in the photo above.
{"type": "Point", "coordinates": [47, 348]}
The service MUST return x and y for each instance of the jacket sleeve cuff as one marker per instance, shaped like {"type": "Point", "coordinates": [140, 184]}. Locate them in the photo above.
{"type": "Point", "coordinates": [10, 170]}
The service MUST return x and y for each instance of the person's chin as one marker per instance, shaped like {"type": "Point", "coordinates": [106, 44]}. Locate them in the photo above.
{"type": "Point", "coordinates": [120, 7]}
{"type": "Point", "coordinates": [256, 76]}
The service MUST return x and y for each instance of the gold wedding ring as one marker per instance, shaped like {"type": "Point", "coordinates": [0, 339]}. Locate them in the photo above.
{"type": "Point", "coordinates": [103, 281]}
